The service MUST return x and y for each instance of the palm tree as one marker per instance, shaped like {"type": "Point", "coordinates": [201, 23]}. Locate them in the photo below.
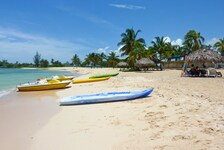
{"type": "Point", "coordinates": [170, 50]}
{"type": "Point", "coordinates": [136, 54]}
{"type": "Point", "coordinates": [130, 43]}
{"type": "Point", "coordinates": [220, 46]}
{"type": "Point", "coordinates": [160, 49]}
{"type": "Point", "coordinates": [75, 60]}
{"type": "Point", "coordinates": [193, 40]}
{"type": "Point", "coordinates": [188, 46]}
{"type": "Point", "coordinates": [103, 58]}
{"type": "Point", "coordinates": [86, 62]}
{"type": "Point", "coordinates": [179, 51]}
{"type": "Point", "coordinates": [112, 59]}
{"type": "Point", "coordinates": [94, 58]}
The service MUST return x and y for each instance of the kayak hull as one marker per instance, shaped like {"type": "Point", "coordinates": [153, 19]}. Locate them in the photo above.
{"type": "Point", "coordinates": [89, 80]}
{"type": "Point", "coordinates": [104, 97]}
{"type": "Point", "coordinates": [64, 78]}
{"type": "Point", "coordinates": [61, 78]}
{"type": "Point", "coordinates": [41, 87]}
{"type": "Point", "coordinates": [104, 75]}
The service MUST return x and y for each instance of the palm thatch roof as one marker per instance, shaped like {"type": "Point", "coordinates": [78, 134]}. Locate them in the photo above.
{"type": "Point", "coordinates": [204, 55]}
{"type": "Point", "coordinates": [144, 63]}
{"type": "Point", "coordinates": [122, 64]}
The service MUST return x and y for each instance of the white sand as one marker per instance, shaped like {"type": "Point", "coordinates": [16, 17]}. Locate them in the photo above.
{"type": "Point", "coordinates": [181, 113]}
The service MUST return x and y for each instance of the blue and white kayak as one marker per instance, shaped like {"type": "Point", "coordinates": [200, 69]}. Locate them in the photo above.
{"type": "Point", "coordinates": [104, 97]}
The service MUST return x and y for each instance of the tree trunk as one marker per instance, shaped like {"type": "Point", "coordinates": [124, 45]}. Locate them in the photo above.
{"type": "Point", "coordinates": [160, 62]}
{"type": "Point", "coordinates": [161, 66]}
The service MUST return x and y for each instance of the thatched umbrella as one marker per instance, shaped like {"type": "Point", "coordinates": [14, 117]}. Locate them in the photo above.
{"type": "Point", "coordinates": [144, 63]}
{"type": "Point", "coordinates": [203, 56]}
{"type": "Point", "coordinates": [122, 64]}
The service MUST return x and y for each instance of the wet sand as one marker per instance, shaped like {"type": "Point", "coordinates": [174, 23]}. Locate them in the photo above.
{"type": "Point", "coordinates": [22, 114]}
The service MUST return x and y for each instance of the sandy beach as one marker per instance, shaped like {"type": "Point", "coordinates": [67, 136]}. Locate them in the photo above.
{"type": "Point", "coordinates": [22, 114]}
{"type": "Point", "coordinates": [181, 113]}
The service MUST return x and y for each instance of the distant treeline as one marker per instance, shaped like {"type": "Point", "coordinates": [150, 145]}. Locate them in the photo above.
{"type": "Point", "coordinates": [38, 62]}
{"type": "Point", "coordinates": [160, 51]}
{"type": "Point", "coordinates": [92, 60]}
{"type": "Point", "coordinates": [6, 64]}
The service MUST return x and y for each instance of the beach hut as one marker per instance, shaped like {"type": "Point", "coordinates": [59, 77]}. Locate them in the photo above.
{"type": "Point", "coordinates": [208, 57]}
{"type": "Point", "coordinates": [122, 65]}
{"type": "Point", "coordinates": [144, 63]}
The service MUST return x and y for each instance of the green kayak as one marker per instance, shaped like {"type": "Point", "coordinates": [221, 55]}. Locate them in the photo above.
{"type": "Point", "coordinates": [104, 75]}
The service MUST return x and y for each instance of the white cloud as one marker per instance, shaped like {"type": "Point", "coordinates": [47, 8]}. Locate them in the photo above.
{"type": "Point", "coordinates": [19, 46]}
{"type": "Point", "coordinates": [174, 42]}
{"type": "Point", "coordinates": [103, 50]}
{"type": "Point", "coordinates": [117, 51]}
{"type": "Point", "coordinates": [119, 48]}
{"type": "Point", "coordinates": [106, 50]}
{"type": "Point", "coordinates": [125, 6]}
{"type": "Point", "coordinates": [177, 42]}
{"type": "Point", "coordinates": [211, 41]}
{"type": "Point", "coordinates": [167, 39]}
{"type": "Point", "coordinates": [180, 41]}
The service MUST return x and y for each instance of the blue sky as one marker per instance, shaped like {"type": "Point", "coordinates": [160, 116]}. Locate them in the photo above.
{"type": "Point", "coordinates": [59, 29]}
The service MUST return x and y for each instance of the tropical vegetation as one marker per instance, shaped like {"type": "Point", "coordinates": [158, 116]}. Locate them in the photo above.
{"type": "Point", "coordinates": [133, 48]}
{"type": "Point", "coordinates": [193, 40]}
{"type": "Point", "coordinates": [160, 50]}
{"type": "Point", "coordinates": [36, 59]}
{"type": "Point", "coordinates": [112, 59]}
{"type": "Point", "coordinates": [76, 60]}
{"type": "Point", "coordinates": [220, 46]}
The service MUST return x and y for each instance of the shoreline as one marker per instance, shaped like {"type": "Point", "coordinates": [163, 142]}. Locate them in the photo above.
{"type": "Point", "coordinates": [181, 112]}
{"type": "Point", "coordinates": [24, 113]}
{"type": "Point", "coordinates": [8, 91]}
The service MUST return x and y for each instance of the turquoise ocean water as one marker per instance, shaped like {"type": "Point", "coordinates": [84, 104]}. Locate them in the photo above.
{"type": "Point", "coordinates": [10, 78]}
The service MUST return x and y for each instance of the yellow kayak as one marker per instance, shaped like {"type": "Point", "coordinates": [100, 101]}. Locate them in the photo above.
{"type": "Point", "coordinates": [62, 78]}
{"type": "Point", "coordinates": [89, 80]}
{"type": "Point", "coordinates": [39, 86]}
